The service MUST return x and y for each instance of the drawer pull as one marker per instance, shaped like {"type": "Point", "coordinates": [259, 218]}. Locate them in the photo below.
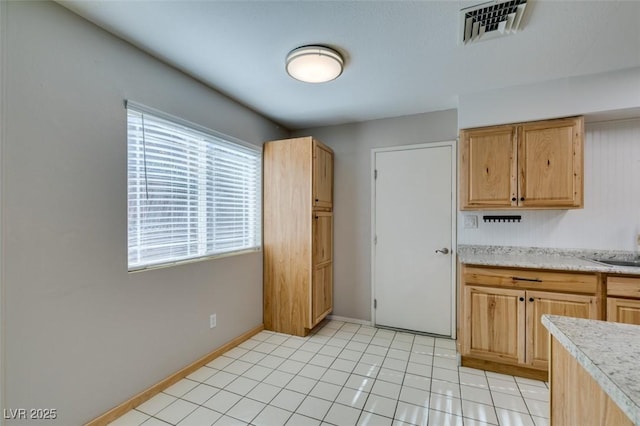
{"type": "Point", "coordinates": [534, 280]}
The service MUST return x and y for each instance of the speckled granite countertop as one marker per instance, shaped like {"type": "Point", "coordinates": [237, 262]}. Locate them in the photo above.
{"type": "Point", "coordinates": [608, 351]}
{"type": "Point", "coordinates": [545, 258]}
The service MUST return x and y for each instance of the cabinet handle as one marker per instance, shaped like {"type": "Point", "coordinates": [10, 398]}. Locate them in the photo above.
{"type": "Point", "coordinates": [534, 280]}
{"type": "Point", "coordinates": [521, 198]}
{"type": "Point", "coordinates": [531, 299]}
{"type": "Point", "coordinates": [317, 200]}
{"type": "Point", "coordinates": [522, 299]}
{"type": "Point", "coordinates": [513, 199]}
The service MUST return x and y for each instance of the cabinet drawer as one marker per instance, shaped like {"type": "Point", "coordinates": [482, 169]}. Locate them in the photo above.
{"type": "Point", "coordinates": [623, 287]}
{"type": "Point", "coordinates": [530, 279]}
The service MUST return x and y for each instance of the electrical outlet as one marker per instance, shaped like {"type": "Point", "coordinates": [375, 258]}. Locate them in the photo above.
{"type": "Point", "coordinates": [470, 221]}
{"type": "Point", "coordinates": [212, 321]}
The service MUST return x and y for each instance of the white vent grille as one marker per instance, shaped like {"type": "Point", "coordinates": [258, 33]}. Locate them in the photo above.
{"type": "Point", "coordinates": [489, 20]}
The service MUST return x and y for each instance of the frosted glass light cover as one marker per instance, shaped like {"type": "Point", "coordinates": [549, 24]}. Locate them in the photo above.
{"type": "Point", "coordinates": [314, 64]}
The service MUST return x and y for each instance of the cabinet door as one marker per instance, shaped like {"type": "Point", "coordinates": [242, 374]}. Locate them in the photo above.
{"type": "Point", "coordinates": [322, 293]}
{"type": "Point", "coordinates": [550, 163]}
{"type": "Point", "coordinates": [623, 310]}
{"type": "Point", "coordinates": [540, 303]}
{"type": "Point", "coordinates": [322, 237]}
{"type": "Point", "coordinates": [576, 397]}
{"type": "Point", "coordinates": [322, 176]}
{"type": "Point", "coordinates": [494, 324]}
{"type": "Point", "coordinates": [488, 167]}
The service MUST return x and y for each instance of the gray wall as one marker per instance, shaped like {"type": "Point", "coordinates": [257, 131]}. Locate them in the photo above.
{"type": "Point", "coordinates": [81, 334]}
{"type": "Point", "coordinates": [352, 144]}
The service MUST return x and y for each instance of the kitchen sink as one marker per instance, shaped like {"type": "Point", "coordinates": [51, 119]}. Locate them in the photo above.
{"type": "Point", "coordinates": [615, 262]}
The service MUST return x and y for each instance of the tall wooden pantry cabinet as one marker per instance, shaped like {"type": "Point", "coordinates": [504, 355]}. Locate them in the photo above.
{"type": "Point", "coordinates": [298, 234]}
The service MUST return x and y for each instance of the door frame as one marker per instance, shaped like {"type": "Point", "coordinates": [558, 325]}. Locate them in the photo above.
{"type": "Point", "coordinates": [3, 127]}
{"type": "Point", "coordinates": [454, 216]}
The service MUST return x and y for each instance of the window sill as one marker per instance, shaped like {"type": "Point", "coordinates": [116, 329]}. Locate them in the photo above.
{"type": "Point", "coordinates": [191, 260]}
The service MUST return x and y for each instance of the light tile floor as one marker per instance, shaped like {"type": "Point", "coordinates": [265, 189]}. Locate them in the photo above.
{"type": "Point", "coordinates": [344, 374]}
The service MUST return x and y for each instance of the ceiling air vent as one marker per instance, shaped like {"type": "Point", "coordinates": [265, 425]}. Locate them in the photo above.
{"type": "Point", "coordinates": [489, 20]}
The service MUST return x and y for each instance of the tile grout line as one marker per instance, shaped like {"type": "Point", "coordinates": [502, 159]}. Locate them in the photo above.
{"type": "Point", "coordinates": [364, 351]}
{"type": "Point", "coordinates": [323, 341]}
{"type": "Point", "coordinates": [219, 389]}
{"type": "Point", "coordinates": [241, 375]}
{"type": "Point", "coordinates": [493, 402]}
{"type": "Point", "coordinates": [524, 400]}
{"type": "Point", "coordinates": [343, 386]}
{"type": "Point", "coordinates": [308, 339]}
{"type": "Point", "coordinates": [380, 368]}
{"type": "Point", "coordinates": [405, 373]}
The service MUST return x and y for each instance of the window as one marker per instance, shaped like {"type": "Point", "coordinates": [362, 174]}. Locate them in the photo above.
{"type": "Point", "coordinates": [191, 193]}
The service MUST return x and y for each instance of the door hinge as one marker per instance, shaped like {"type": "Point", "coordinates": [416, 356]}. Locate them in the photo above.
{"type": "Point", "coordinates": [375, 174]}
{"type": "Point", "coordinates": [375, 239]}
{"type": "Point", "coordinates": [375, 303]}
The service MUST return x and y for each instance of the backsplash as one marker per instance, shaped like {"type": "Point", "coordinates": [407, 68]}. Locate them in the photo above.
{"type": "Point", "coordinates": [610, 219]}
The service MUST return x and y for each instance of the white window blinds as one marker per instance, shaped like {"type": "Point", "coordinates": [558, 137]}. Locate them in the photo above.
{"type": "Point", "coordinates": [191, 193]}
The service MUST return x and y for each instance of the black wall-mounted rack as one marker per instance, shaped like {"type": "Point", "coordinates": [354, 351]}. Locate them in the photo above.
{"type": "Point", "coordinates": [517, 218]}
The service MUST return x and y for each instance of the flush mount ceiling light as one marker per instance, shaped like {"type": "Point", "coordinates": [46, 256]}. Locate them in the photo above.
{"type": "Point", "coordinates": [314, 64]}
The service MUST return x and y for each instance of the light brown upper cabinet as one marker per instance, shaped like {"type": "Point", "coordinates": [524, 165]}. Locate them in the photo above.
{"type": "Point", "coordinates": [297, 234]}
{"type": "Point", "coordinates": [528, 165]}
{"type": "Point", "coordinates": [322, 177]}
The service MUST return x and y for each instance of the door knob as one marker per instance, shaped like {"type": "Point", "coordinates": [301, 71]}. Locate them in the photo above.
{"type": "Point", "coordinates": [443, 251]}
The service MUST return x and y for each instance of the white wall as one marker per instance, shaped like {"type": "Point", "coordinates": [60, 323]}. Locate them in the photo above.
{"type": "Point", "coordinates": [352, 144]}
{"type": "Point", "coordinates": [611, 215]}
{"type": "Point", "coordinates": [618, 90]}
{"type": "Point", "coordinates": [82, 334]}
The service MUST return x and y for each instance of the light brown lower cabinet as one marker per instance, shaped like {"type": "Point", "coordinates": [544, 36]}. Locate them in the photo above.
{"type": "Point", "coordinates": [576, 398]}
{"type": "Point", "coordinates": [623, 299]}
{"type": "Point", "coordinates": [546, 303]}
{"type": "Point", "coordinates": [501, 329]}
{"type": "Point", "coordinates": [322, 255]}
{"type": "Point", "coordinates": [322, 293]}
{"type": "Point", "coordinates": [494, 320]}
{"type": "Point", "coordinates": [623, 310]}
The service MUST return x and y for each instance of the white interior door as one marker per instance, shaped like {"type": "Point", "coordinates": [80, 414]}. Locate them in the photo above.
{"type": "Point", "coordinates": [413, 213]}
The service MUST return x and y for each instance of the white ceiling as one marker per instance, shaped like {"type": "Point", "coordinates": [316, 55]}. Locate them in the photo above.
{"type": "Point", "coordinates": [402, 57]}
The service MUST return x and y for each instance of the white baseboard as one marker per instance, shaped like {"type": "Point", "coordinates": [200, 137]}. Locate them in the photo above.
{"type": "Point", "coordinates": [347, 319]}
